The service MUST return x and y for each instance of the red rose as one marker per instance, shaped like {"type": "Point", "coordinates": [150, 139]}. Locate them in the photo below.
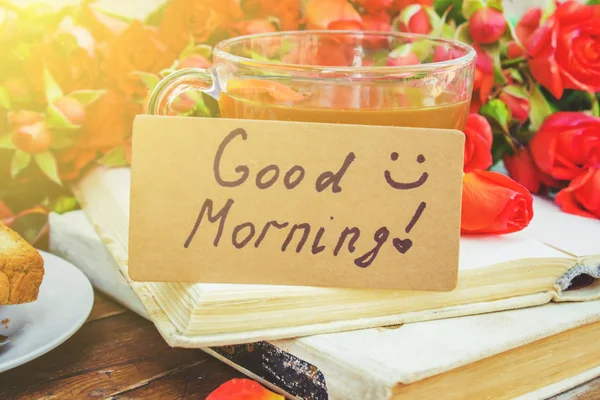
{"type": "Point", "coordinates": [494, 203]}
{"type": "Point", "coordinates": [375, 6]}
{"type": "Point", "coordinates": [138, 48]}
{"type": "Point", "coordinates": [331, 14]}
{"type": "Point", "coordinates": [487, 25]}
{"type": "Point", "coordinates": [377, 22]}
{"type": "Point", "coordinates": [582, 196]}
{"type": "Point", "coordinates": [563, 51]}
{"type": "Point", "coordinates": [519, 107]}
{"type": "Point", "coordinates": [478, 143]}
{"type": "Point", "coordinates": [566, 144]}
{"type": "Point", "coordinates": [521, 168]}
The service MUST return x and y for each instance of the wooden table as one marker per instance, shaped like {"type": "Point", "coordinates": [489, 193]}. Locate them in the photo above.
{"type": "Point", "coordinates": [118, 355]}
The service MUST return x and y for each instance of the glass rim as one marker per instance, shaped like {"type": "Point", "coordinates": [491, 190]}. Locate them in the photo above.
{"type": "Point", "coordinates": [463, 60]}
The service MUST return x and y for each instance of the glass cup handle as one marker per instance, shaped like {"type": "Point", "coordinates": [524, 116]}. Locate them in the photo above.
{"type": "Point", "coordinates": [179, 82]}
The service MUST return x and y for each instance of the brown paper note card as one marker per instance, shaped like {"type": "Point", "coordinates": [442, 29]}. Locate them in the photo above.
{"type": "Point", "coordinates": [287, 203]}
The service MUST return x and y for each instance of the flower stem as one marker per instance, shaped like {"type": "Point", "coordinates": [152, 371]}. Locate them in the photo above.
{"type": "Point", "coordinates": [512, 62]}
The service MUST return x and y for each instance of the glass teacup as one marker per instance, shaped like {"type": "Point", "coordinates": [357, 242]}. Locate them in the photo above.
{"type": "Point", "coordinates": [351, 77]}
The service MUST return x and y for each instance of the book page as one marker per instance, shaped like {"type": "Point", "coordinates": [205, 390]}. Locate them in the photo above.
{"type": "Point", "coordinates": [480, 251]}
{"type": "Point", "coordinates": [573, 234]}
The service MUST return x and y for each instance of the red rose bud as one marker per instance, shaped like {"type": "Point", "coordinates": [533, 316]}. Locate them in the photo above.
{"type": "Point", "coordinates": [195, 61]}
{"type": "Point", "coordinates": [487, 25]}
{"type": "Point", "coordinates": [478, 143]}
{"type": "Point", "coordinates": [445, 53]}
{"type": "Point", "coordinates": [24, 117]}
{"type": "Point", "coordinates": [32, 139]}
{"type": "Point", "coordinates": [72, 109]}
{"type": "Point", "coordinates": [415, 19]}
{"type": "Point", "coordinates": [518, 106]}
{"type": "Point", "coordinates": [17, 89]}
{"type": "Point", "coordinates": [254, 26]}
{"type": "Point", "coordinates": [582, 196]}
{"type": "Point", "coordinates": [402, 55]}
{"type": "Point", "coordinates": [514, 50]}
{"type": "Point", "coordinates": [494, 203]}
{"type": "Point", "coordinates": [521, 167]}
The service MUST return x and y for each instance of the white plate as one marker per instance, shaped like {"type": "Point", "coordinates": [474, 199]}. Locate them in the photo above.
{"type": "Point", "coordinates": [65, 300]}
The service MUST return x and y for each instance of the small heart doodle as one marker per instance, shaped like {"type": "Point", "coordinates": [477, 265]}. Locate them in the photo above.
{"type": "Point", "coordinates": [402, 245]}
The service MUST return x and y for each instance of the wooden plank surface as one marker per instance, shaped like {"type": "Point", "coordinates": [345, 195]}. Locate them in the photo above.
{"type": "Point", "coordinates": [118, 355]}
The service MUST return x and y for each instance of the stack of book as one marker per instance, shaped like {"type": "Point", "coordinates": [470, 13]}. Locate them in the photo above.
{"type": "Point", "coordinates": [519, 298]}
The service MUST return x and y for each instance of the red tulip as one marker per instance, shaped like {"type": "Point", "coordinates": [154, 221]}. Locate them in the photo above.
{"type": "Point", "coordinates": [582, 196]}
{"type": "Point", "coordinates": [32, 139]}
{"type": "Point", "coordinates": [72, 109]}
{"type": "Point", "coordinates": [487, 25]}
{"type": "Point", "coordinates": [521, 168]}
{"type": "Point", "coordinates": [242, 389]}
{"type": "Point", "coordinates": [478, 143]}
{"type": "Point", "coordinates": [494, 203]}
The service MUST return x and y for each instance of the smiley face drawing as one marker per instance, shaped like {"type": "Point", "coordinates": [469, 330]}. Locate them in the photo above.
{"type": "Point", "coordinates": [406, 185]}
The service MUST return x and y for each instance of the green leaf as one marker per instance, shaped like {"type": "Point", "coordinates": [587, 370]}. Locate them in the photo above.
{"type": "Point", "coordinates": [540, 108]}
{"type": "Point", "coordinates": [455, 7]}
{"type": "Point", "coordinates": [64, 204]}
{"type": "Point", "coordinates": [494, 51]}
{"type": "Point", "coordinates": [51, 88]}
{"type": "Point", "coordinates": [115, 158]}
{"type": "Point", "coordinates": [595, 106]}
{"type": "Point", "coordinates": [497, 4]}
{"type": "Point", "coordinates": [156, 16]}
{"type": "Point", "coordinates": [166, 72]}
{"type": "Point", "coordinates": [497, 111]}
{"type": "Point", "coordinates": [593, 2]}
{"type": "Point", "coordinates": [515, 75]}
{"type": "Point", "coordinates": [548, 11]}
{"type": "Point", "coordinates": [19, 162]}
{"type": "Point", "coordinates": [6, 142]}
{"type": "Point", "coordinates": [462, 34]}
{"type": "Point", "coordinates": [4, 98]}
{"type": "Point", "coordinates": [150, 80]}
{"type": "Point", "coordinates": [87, 97]}
{"type": "Point", "coordinates": [516, 91]}
{"type": "Point", "coordinates": [47, 164]}
{"type": "Point", "coordinates": [56, 119]}
{"type": "Point", "coordinates": [201, 49]}
{"type": "Point", "coordinates": [500, 147]}
{"type": "Point", "coordinates": [470, 6]}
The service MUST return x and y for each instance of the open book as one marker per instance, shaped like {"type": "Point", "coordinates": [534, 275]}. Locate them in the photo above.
{"type": "Point", "coordinates": [501, 355]}
{"type": "Point", "coordinates": [528, 268]}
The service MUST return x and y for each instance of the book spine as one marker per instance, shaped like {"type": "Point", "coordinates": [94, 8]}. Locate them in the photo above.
{"type": "Point", "coordinates": [581, 282]}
